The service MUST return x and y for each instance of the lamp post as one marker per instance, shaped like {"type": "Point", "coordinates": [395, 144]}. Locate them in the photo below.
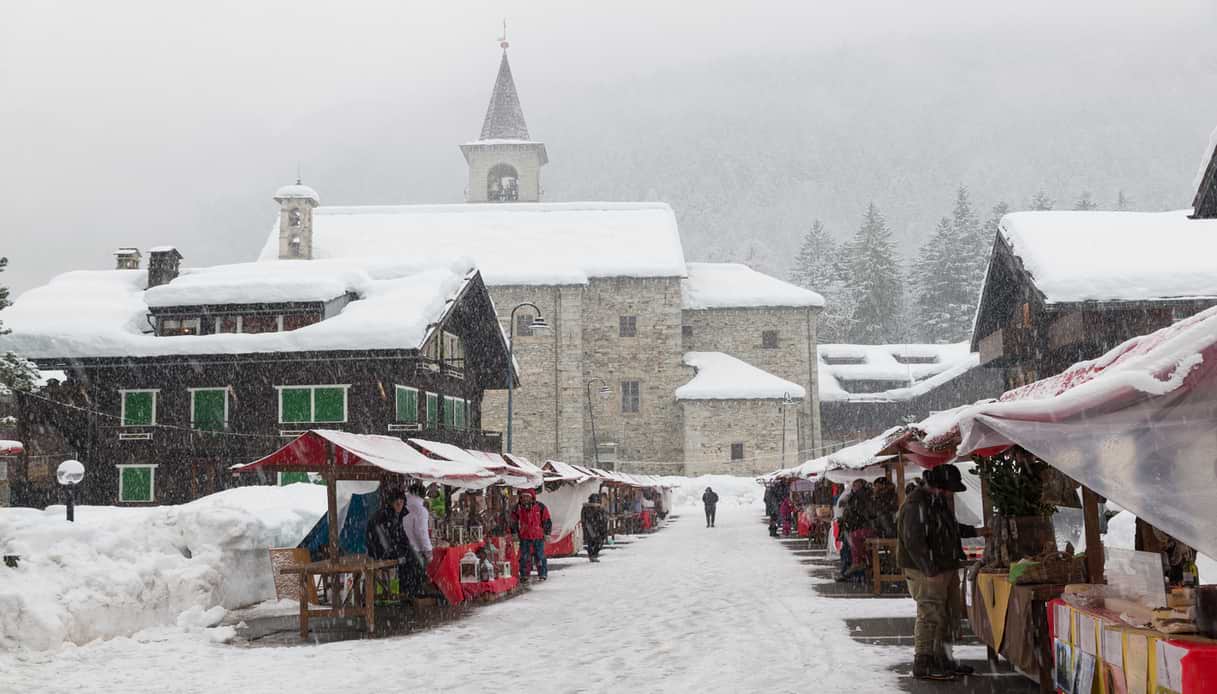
{"type": "Point", "coordinates": [538, 324]}
{"type": "Point", "coordinates": [591, 411]}
{"type": "Point", "coordinates": [70, 473]}
{"type": "Point", "coordinates": [787, 402]}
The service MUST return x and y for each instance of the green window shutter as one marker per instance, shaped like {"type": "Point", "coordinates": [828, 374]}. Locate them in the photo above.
{"type": "Point", "coordinates": [139, 409]}
{"type": "Point", "coordinates": [329, 405]}
{"type": "Point", "coordinates": [449, 413]}
{"type": "Point", "coordinates": [407, 404]}
{"type": "Point", "coordinates": [136, 484]}
{"type": "Point", "coordinates": [458, 406]}
{"type": "Point", "coordinates": [432, 410]}
{"type": "Point", "coordinates": [286, 478]}
{"type": "Point", "coordinates": [295, 405]}
{"type": "Point", "coordinates": [209, 408]}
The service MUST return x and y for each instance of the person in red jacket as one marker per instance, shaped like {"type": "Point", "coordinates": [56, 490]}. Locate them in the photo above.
{"type": "Point", "coordinates": [531, 523]}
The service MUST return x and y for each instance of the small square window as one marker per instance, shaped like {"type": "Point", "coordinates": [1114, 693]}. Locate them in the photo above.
{"type": "Point", "coordinates": [769, 339]}
{"type": "Point", "coordinates": [138, 408]}
{"type": "Point", "coordinates": [524, 325]}
{"type": "Point", "coordinates": [137, 483]}
{"type": "Point", "coordinates": [630, 396]}
{"type": "Point", "coordinates": [628, 326]}
{"type": "Point", "coordinates": [737, 451]}
{"type": "Point", "coordinates": [686, 331]}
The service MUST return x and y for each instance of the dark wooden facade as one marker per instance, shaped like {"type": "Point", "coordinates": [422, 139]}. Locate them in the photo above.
{"type": "Point", "coordinates": [1018, 332]}
{"type": "Point", "coordinates": [191, 462]}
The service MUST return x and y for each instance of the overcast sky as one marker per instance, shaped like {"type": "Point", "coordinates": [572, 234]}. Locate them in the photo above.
{"type": "Point", "coordinates": [171, 122]}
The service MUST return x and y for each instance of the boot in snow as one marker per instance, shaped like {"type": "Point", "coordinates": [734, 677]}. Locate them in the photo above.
{"type": "Point", "coordinates": [927, 667]}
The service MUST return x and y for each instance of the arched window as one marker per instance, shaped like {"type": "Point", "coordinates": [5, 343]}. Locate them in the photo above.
{"type": "Point", "coordinates": [502, 183]}
{"type": "Point", "coordinates": [294, 218]}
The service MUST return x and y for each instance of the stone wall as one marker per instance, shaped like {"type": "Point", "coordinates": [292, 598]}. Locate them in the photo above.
{"type": "Point", "coordinates": [737, 331]}
{"type": "Point", "coordinates": [525, 158]}
{"type": "Point", "coordinates": [652, 357]}
{"type": "Point", "coordinates": [711, 426]}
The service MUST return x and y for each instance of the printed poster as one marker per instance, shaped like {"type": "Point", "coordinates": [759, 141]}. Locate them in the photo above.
{"type": "Point", "coordinates": [1062, 674]}
{"type": "Point", "coordinates": [1083, 674]}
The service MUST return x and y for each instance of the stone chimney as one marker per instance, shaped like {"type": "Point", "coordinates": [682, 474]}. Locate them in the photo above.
{"type": "Point", "coordinates": [164, 263]}
{"type": "Point", "coordinates": [126, 259]}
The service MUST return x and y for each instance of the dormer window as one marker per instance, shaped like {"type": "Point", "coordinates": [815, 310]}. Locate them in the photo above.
{"type": "Point", "coordinates": [915, 358]}
{"type": "Point", "coordinates": [453, 351]}
{"type": "Point", "coordinates": [180, 326]}
{"type": "Point", "coordinates": [842, 361]}
{"type": "Point", "coordinates": [502, 183]}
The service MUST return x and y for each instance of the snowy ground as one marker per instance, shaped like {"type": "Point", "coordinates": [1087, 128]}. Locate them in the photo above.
{"type": "Point", "coordinates": [686, 609]}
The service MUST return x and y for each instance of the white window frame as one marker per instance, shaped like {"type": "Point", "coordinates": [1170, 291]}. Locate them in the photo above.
{"type": "Point", "coordinates": [151, 483]}
{"type": "Point", "coordinates": [122, 409]}
{"type": "Point", "coordinates": [457, 405]}
{"type": "Point", "coordinates": [312, 401]}
{"type": "Point", "coordinates": [192, 391]}
{"type": "Point", "coordinates": [419, 412]}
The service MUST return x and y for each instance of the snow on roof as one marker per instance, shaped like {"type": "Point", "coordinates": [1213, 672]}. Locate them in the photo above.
{"type": "Point", "coordinates": [731, 285]}
{"type": "Point", "coordinates": [723, 377]}
{"type": "Point", "coordinates": [1115, 256]}
{"type": "Point", "coordinates": [839, 363]}
{"type": "Point", "coordinates": [163, 249]}
{"type": "Point", "coordinates": [297, 190]}
{"type": "Point", "coordinates": [512, 243]}
{"type": "Point", "coordinates": [103, 313]}
{"type": "Point", "coordinates": [254, 283]}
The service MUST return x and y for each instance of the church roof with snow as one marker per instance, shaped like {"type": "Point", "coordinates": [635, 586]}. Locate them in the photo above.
{"type": "Point", "coordinates": [504, 116]}
{"type": "Point", "coordinates": [887, 373]}
{"type": "Point", "coordinates": [733, 285]}
{"type": "Point", "coordinates": [723, 377]}
{"type": "Point", "coordinates": [512, 244]}
{"type": "Point", "coordinates": [104, 313]}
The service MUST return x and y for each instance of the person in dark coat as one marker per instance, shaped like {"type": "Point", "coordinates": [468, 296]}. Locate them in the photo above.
{"type": "Point", "coordinates": [595, 526]}
{"type": "Point", "coordinates": [387, 540]}
{"type": "Point", "coordinates": [710, 500]}
{"type": "Point", "coordinates": [772, 502]}
{"type": "Point", "coordinates": [930, 553]}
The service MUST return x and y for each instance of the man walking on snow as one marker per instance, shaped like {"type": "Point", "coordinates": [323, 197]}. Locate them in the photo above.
{"type": "Point", "coordinates": [531, 522]}
{"type": "Point", "coordinates": [595, 526]}
{"type": "Point", "coordinates": [710, 500]}
{"type": "Point", "coordinates": [929, 552]}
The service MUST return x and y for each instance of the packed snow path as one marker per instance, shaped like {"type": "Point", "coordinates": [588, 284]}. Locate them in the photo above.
{"type": "Point", "coordinates": [687, 609]}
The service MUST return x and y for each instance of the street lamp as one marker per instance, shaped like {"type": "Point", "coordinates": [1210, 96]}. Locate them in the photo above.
{"type": "Point", "coordinates": [70, 473]}
{"type": "Point", "coordinates": [538, 324]}
{"type": "Point", "coordinates": [787, 403]}
{"type": "Point", "coordinates": [605, 393]}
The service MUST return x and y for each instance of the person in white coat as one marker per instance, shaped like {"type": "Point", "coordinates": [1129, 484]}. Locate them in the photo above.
{"type": "Point", "coordinates": [416, 522]}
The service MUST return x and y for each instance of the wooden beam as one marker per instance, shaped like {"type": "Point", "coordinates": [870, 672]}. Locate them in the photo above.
{"type": "Point", "coordinates": [900, 480]}
{"type": "Point", "coordinates": [331, 498]}
{"type": "Point", "coordinates": [1094, 543]}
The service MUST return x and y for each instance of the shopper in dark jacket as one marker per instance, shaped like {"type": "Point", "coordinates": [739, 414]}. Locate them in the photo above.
{"type": "Point", "coordinates": [386, 539]}
{"type": "Point", "coordinates": [595, 526]}
{"type": "Point", "coordinates": [710, 500]}
{"type": "Point", "coordinates": [929, 552]}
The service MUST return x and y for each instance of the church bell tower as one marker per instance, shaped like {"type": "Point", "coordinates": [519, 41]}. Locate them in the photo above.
{"type": "Point", "coordinates": [504, 163]}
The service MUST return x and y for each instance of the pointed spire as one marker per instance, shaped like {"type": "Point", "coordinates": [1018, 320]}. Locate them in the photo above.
{"type": "Point", "coordinates": [504, 117]}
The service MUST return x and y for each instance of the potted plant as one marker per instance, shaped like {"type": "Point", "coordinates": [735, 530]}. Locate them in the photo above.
{"type": "Point", "coordinates": [1022, 518]}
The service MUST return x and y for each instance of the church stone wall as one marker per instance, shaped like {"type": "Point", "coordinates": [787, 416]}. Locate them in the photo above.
{"type": "Point", "coordinates": [738, 332]}
{"type": "Point", "coordinates": [653, 358]}
{"type": "Point", "coordinates": [523, 157]}
{"type": "Point", "coordinates": [711, 426]}
{"type": "Point", "coordinates": [543, 424]}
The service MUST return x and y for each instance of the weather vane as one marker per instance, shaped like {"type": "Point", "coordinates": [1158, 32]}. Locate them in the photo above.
{"type": "Point", "coordinates": [503, 39]}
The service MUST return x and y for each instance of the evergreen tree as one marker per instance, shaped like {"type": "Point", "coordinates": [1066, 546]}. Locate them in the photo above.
{"type": "Point", "coordinates": [15, 372]}
{"type": "Point", "coordinates": [818, 267]}
{"type": "Point", "coordinates": [875, 280]}
{"type": "Point", "coordinates": [1084, 202]}
{"type": "Point", "coordinates": [944, 301]}
{"type": "Point", "coordinates": [4, 302]}
{"type": "Point", "coordinates": [1040, 202]}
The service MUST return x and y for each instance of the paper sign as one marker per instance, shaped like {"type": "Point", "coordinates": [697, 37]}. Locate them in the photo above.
{"type": "Point", "coordinates": [1170, 666]}
{"type": "Point", "coordinates": [1060, 621]}
{"type": "Point", "coordinates": [1113, 647]}
{"type": "Point", "coordinates": [1062, 674]}
{"type": "Point", "coordinates": [1087, 636]}
{"type": "Point", "coordinates": [1136, 663]}
{"type": "Point", "coordinates": [1083, 674]}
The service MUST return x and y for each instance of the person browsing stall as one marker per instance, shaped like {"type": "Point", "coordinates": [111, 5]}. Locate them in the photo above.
{"type": "Point", "coordinates": [416, 523]}
{"type": "Point", "coordinates": [531, 523]}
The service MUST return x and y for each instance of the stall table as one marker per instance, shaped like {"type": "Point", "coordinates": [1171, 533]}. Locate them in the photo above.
{"type": "Point", "coordinates": [882, 548]}
{"type": "Point", "coordinates": [364, 571]}
{"type": "Point", "coordinates": [1012, 621]}
{"type": "Point", "coordinates": [445, 572]}
{"type": "Point", "coordinates": [1128, 659]}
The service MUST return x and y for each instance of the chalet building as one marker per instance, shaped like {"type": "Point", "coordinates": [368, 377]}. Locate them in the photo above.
{"type": "Point", "coordinates": [1068, 286]}
{"type": "Point", "coordinates": [170, 376]}
{"type": "Point", "coordinates": [867, 389]}
{"type": "Point", "coordinates": [622, 304]}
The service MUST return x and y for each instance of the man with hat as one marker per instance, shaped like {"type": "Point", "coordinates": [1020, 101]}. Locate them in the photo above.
{"type": "Point", "coordinates": [929, 552]}
{"type": "Point", "coordinates": [532, 523]}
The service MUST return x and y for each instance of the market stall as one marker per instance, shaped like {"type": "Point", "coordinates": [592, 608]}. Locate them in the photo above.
{"type": "Point", "coordinates": [566, 490]}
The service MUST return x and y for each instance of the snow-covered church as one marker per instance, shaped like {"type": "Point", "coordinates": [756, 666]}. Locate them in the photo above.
{"type": "Point", "coordinates": [673, 363]}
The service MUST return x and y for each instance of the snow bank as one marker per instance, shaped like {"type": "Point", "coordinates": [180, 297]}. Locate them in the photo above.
{"type": "Point", "coordinates": [116, 571]}
{"type": "Point", "coordinates": [723, 377]}
{"type": "Point", "coordinates": [513, 244]}
{"type": "Point", "coordinates": [1115, 256]}
{"type": "Point", "coordinates": [733, 285]}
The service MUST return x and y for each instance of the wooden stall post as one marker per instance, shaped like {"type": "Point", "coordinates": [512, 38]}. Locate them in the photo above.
{"type": "Point", "coordinates": [331, 499]}
{"type": "Point", "coordinates": [1094, 543]}
{"type": "Point", "coordinates": [899, 480]}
